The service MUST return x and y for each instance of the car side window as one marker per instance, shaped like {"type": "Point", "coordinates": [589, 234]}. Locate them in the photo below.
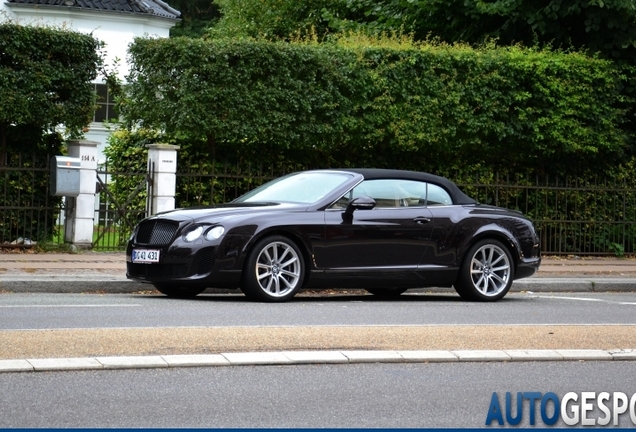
{"type": "Point", "coordinates": [392, 193]}
{"type": "Point", "coordinates": [437, 196]}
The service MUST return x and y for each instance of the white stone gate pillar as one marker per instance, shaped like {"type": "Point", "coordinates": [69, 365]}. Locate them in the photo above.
{"type": "Point", "coordinates": [80, 213]}
{"type": "Point", "coordinates": [162, 159]}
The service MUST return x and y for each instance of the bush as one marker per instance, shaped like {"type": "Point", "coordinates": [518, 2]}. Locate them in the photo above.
{"type": "Point", "coordinates": [385, 102]}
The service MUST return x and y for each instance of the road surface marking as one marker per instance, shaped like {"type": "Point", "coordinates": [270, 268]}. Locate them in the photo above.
{"type": "Point", "coordinates": [70, 306]}
{"type": "Point", "coordinates": [588, 299]}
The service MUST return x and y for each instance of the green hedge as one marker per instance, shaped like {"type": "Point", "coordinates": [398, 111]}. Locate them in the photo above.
{"type": "Point", "coordinates": [382, 103]}
{"type": "Point", "coordinates": [498, 107]}
{"type": "Point", "coordinates": [45, 79]}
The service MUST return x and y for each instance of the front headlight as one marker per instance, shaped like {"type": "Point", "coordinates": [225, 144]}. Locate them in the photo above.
{"type": "Point", "coordinates": [193, 234]}
{"type": "Point", "coordinates": [214, 233]}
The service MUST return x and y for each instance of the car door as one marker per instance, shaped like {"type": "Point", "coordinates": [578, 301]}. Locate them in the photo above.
{"type": "Point", "coordinates": [394, 234]}
{"type": "Point", "coordinates": [445, 230]}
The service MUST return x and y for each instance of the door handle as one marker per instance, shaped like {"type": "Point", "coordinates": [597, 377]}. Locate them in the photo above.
{"type": "Point", "coordinates": [422, 220]}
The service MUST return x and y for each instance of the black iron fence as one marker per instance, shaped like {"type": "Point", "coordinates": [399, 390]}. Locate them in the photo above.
{"type": "Point", "coordinates": [222, 183]}
{"type": "Point", "coordinates": [28, 213]}
{"type": "Point", "coordinates": [573, 216]}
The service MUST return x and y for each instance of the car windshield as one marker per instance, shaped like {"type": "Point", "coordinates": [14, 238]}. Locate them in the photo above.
{"type": "Point", "coordinates": [304, 188]}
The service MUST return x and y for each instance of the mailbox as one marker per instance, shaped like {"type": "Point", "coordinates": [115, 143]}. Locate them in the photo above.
{"type": "Point", "coordinates": [65, 176]}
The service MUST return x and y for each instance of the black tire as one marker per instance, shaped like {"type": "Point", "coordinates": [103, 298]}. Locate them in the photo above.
{"type": "Point", "coordinates": [487, 272]}
{"type": "Point", "coordinates": [386, 292]}
{"type": "Point", "coordinates": [179, 291]}
{"type": "Point", "coordinates": [274, 270]}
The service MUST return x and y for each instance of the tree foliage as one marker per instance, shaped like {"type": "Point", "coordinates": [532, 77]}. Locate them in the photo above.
{"type": "Point", "coordinates": [604, 26]}
{"type": "Point", "coordinates": [196, 17]}
{"type": "Point", "coordinates": [273, 19]}
{"type": "Point", "coordinates": [599, 26]}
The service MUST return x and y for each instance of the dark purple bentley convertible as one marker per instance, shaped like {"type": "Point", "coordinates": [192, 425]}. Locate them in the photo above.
{"type": "Point", "coordinates": [381, 230]}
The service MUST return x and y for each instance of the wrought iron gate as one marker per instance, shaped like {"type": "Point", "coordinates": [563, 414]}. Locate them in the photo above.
{"type": "Point", "coordinates": [122, 203]}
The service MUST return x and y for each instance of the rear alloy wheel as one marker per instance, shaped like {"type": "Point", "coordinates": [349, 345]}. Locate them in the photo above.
{"type": "Point", "coordinates": [274, 270]}
{"type": "Point", "coordinates": [487, 272]}
{"type": "Point", "coordinates": [179, 291]}
{"type": "Point", "coordinates": [386, 292]}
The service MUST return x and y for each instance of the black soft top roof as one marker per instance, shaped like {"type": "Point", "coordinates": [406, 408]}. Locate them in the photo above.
{"type": "Point", "coordinates": [456, 194]}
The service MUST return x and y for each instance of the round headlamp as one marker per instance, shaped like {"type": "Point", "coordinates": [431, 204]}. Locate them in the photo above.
{"type": "Point", "coordinates": [193, 234]}
{"type": "Point", "coordinates": [214, 233]}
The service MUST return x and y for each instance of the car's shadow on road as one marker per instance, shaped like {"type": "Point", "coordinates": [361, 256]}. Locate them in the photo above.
{"type": "Point", "coordinates": [323, 298]}
{"type": "Point", "coordinates": [369, 298]}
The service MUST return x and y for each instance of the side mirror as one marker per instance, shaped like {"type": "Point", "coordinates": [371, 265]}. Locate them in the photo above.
{"type": "Point", "coordinates": [360, 203]}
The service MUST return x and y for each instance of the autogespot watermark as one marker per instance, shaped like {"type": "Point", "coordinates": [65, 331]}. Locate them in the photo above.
{"type": "Point", "coordinates": [573, 409]}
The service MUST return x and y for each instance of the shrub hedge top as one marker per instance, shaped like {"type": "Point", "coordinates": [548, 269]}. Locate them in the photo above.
{"type": "Point", "coordinates": [382, 103]}
{"type": "Point", "coordinates": [45, 76]}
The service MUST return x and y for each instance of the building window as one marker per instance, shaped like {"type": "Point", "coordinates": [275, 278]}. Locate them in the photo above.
{"type": "Point", "coordinates": [105, 105]}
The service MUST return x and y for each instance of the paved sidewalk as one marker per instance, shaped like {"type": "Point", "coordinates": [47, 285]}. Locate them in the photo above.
{"type": "Point", "coordinates": [106, 273]}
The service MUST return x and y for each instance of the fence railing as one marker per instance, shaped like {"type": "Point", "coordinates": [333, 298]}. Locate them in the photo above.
{"type": "Point", "coordinates": [28, 213]}
{"type": "Point", "coordinates": [573, 216]}
{"type": "Point", "coordinates": [222, 183]}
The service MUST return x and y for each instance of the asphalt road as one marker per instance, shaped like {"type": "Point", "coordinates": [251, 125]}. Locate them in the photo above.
{"type": "Point", "coordinates": [353, 395]}
{"type": "Point", "coordinates": [88, 325]}
{"type": "Point", "coordinates": [57, 311]}
{"type": "Point", "coordinates": [346, 396]}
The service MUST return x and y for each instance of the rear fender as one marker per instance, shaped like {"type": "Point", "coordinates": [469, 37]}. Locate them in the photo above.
{"type": "Point", "coordinates": [496, 232]}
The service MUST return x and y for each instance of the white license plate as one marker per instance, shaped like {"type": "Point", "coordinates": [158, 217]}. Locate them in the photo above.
{"type": "Point", "coordinates": [145, 256]}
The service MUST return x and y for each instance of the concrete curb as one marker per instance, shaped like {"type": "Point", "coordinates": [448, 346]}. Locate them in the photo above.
{"type": "Point", "coordinates": [309, 357]}
{"type": "Point", "coordinates": [72, 284]}
{"type": "Point", "coordinates": [580, 284]}
{"type": "Point", "coordinates": [88, 283]}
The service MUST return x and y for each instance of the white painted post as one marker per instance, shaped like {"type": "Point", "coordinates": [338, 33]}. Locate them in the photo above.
{"type": "Point", "coordinates": [164, 181]}
{"type": "Point", "coordinates": [79, 221]}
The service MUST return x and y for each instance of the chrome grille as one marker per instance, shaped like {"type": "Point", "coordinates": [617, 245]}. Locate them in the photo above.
{"type": "Point", "coordinates": [156, 232]}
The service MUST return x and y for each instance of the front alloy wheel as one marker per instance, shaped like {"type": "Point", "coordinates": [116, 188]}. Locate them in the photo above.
{"type": "Point", "coordinates": [486, 273]}
{"type": "Point", "coordinates": [274, 270]}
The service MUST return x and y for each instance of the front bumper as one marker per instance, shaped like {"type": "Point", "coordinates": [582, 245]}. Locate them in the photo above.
{"type": "Point", "coordinates": [197, 266]}
{"type": "Point", "coordinates": [527, 267]}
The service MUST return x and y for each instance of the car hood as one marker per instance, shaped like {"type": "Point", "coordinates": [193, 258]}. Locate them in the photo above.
{"type": "Point", "coordinates": [224, 211]}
